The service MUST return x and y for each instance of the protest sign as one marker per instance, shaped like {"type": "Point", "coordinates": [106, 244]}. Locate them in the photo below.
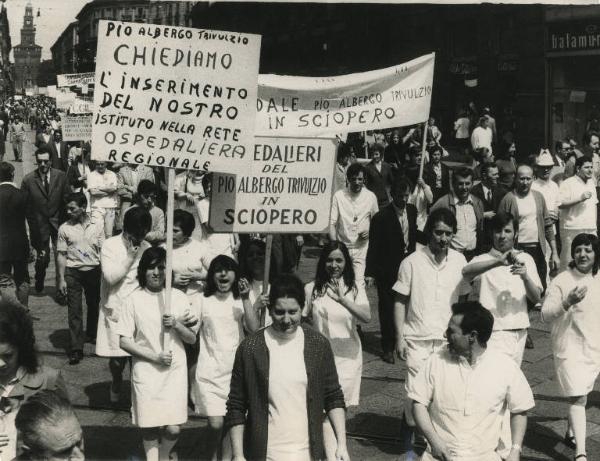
{"type": "Point", "coordinates": [175, 97]}
{"type": "Point", "coordinates": [77, 127]}
{"type": "Point", "coordinates": [75, 93]}
{"type": "Point", "coordinates": [52, 91]}
{"type": "Point", "coordinates": [323, 106]}
{"type": "Point", "coordinates": [287, 189]}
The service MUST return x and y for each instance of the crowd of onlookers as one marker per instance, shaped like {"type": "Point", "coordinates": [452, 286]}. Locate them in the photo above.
{"type": "Point", "coordinates": [493, 238]}
{"type": "Point", "coordinates": [458, 256]}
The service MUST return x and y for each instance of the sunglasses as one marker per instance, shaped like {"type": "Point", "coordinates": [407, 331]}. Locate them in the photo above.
{"type": "Point", "coordinates": [41, 162]}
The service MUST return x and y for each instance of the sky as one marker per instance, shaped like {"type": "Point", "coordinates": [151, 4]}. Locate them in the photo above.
{"type": "Point", "coordinates": [55, 16]}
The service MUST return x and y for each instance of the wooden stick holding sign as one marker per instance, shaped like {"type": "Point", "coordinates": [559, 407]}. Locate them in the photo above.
{"type": "Point", "coordinates": [423, 148]}
{"type": "Point", "coordinates": [169, 243]}
{"type": "Point", "coordinates": [265, 286]}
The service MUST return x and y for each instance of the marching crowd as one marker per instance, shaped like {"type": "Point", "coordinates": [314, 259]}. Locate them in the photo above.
{"type": "Point", "coordinates": [458, 259]}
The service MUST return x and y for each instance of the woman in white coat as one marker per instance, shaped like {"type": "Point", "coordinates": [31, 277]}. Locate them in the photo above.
{"type": "Point", "coordinates": [571, 305]}
{"type": "Point", "coordinates": [119, 258]}
{"type": "Point", "coordinates": [159, 377]}
{"type": "Point", "coordinates": [334, 304]}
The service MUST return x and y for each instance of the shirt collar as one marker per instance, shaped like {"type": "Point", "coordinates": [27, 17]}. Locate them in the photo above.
{"type": "Point", "coordinates": [463, 360]}
{"type": "Point", "coordinates": [9, 183]}
{"type": "Point", "coordinates": [18, 377]}
{"type": "Point", "coordinates": [495, 253]}
{"type": "Point", "coordinates": [431, 256]}
{"type": "Point", "coordinates": [457, 201]}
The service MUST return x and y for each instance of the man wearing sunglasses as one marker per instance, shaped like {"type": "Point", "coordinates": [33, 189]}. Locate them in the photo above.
{"type": "Point", "coordinates": [45, 191]}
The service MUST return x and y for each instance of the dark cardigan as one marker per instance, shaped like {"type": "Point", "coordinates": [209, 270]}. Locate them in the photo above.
{"type": "Point", "coordinates": [248, 401]}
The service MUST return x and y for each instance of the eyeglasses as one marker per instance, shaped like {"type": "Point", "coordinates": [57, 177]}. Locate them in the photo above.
{"type": "Point", "coordinates": [41, 162]}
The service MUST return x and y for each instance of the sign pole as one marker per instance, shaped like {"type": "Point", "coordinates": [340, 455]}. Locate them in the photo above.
{"type": "Point", "coordinates": [169, 243]}
{"type": "Point", "coordinates": [423, 150]}
{"type": "Point", "coordinates": [265, 287]}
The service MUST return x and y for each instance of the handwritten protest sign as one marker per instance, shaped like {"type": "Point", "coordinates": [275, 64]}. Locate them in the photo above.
{"type": "Point", "coordinates": [77, 127]}
{"type": "Point", "coordinates": [174, 96]}
{"type": "Point", "coordinates": [288, 189]}
{"type": "Point", "coordinates": [323, 106]}
{"type": "Point", "coordinates": [75, 93]}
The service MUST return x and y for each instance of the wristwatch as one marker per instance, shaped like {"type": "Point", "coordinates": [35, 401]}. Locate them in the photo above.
{"type": "Point", "coordinates": [517, 447]}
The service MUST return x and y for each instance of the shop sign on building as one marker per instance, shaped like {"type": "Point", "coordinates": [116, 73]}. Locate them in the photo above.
{"type": "Point", "coordinates": [464, 66]}
{"type": "Point", "coordinates": [573, 36]}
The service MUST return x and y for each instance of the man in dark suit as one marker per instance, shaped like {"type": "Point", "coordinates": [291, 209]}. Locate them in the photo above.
{"type": "Point", "coordinates": [435, 174]}
{"type": "Point", "coordinates": [45, 192]}
{"type": "Point", "coordinates": [14, 245]}
{"type": "Point", "coordinates": [59, 152]}
{"type": "Point", "coordinates": [392, 237]}
{"type": "Point", "coordinates": [490, 194]}
{"type": "Point", "coordinates": [379, 176]}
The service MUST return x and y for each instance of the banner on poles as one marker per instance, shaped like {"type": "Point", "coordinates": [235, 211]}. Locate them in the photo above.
{"type": "Point", "coordinates": [51, 91]}
{"type": "Point", "coordinates": [174, 96]}
{"type": "Point", "coordinates": [288, 189]}
{"type": "Point", "coordinates": [75, 93]}
{"type": "Point", "coordinates": [77, 127]}
{"type": "Point", "coordinates": [323, 106]}
{"type": "Point", "coordinates": [75, 79]}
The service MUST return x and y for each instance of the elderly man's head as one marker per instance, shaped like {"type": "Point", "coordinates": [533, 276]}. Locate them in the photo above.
{"type": "Point", "coordinates": [49, 428]}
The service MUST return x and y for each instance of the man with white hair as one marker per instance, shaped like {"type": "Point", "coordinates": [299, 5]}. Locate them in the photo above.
{"type": "Point", "coordinates": [48, 429]}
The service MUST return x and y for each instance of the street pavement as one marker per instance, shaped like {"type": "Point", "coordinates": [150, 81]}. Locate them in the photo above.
{"type": "Point", "coordinates": [373, 427]}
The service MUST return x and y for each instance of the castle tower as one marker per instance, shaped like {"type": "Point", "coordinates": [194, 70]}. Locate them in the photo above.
{"type": "Point", "coordinates": [27, 56]}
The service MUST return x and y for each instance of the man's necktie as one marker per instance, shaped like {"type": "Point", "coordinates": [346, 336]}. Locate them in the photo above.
{"type": "Point", "coordinates": [46, 184]}
{"type": "Point", "coordinates": [489, 196]}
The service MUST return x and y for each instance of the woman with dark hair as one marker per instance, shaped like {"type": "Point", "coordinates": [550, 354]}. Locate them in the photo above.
{"type": "Point", "coordinates": [284, 382]}
{"type": "Point", "coordinates": [21, 374]}
{"type": "Point", "coordinates": [158, 376]}
{"type": "Point", "coordinates": [334, 303]}
{"type": "Point", "coordinates": [571, 305]}
{"type": "Point", "coordinates": [190, 257]}
{"type": "Point", "coordinates": [223, 312]}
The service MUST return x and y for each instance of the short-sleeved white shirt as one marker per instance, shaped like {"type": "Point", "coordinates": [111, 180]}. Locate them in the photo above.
{"type": "Point", "coordinates": [503, 293]}
{"type": "Point", "coordinates": [82, 243]}
{"type": "Point", "coordinates": [432, 289]}
{"type": "Point", "coordinates": [528, 225]}
{"type": "Point", "coordinates": [583, 214]}
{"type": "Point", "coordinates": [96, 180]}
{"type": "Point", "coordinates": [550, 192]}
{"type": "Point", "coordinates": [351, 214]}
{"type": "Point", "coordinates": [467, 403]}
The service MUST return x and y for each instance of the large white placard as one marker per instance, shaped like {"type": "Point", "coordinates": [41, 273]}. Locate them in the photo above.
{"type": "Point", "coordinates": [174, 96]}
{"type": "Point", "coordinates": [324, 106]}
{"type": "Point", "coordinates": [287, 189]}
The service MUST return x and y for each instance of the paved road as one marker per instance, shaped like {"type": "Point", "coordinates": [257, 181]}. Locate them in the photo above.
{"type": "Point", "coordinates": [374, 426]}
